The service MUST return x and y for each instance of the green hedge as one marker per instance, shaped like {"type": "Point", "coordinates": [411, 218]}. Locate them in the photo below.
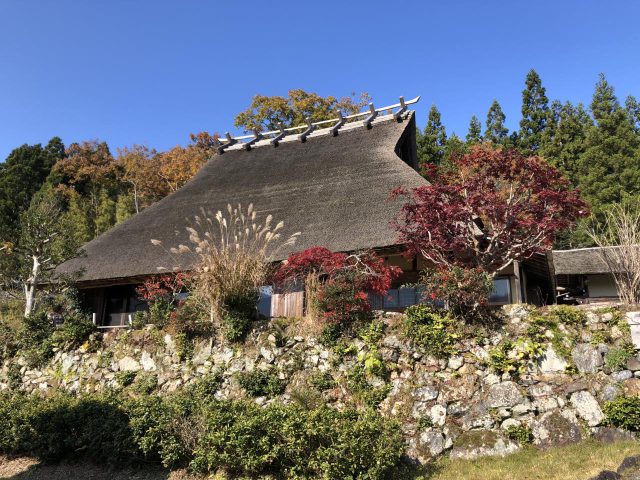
{"type": "Point", "coordinates": [206, 435]}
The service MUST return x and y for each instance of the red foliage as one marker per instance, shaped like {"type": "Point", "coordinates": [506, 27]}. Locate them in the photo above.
{"type": "Point", "coordinates": [346, 279]}
{"type": "Point", "coordinates": [162, 287]}
{"type": "Point", "coordinates": [488, 208]}
{"type": "Point", "coordinates": [318, 260]}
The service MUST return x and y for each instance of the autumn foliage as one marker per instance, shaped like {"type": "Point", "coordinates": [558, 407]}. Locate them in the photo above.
{"type": "Point", "coordinates": [486, 209]}
{"type": "Point", "coordinates": [343, 280]}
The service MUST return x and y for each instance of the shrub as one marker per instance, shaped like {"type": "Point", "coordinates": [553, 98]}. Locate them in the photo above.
{"type": "Point", "coordinates": [237, 317]}
{"type": "Point", "coordinates": [145, 383]}
{"type": "Point", "coordinates": [330, 335]}
{"type": "Point", "coordinates": [567, 315]}
{"type": "Point", "coordinates": [322, 381]}
{"type": "Point", "coordinates": [616, 358]}
{"type": "Point", "coordinates": [431, 331]}
{"type": "Point", "coordinates": [624, 412]}
{"type": "Point", "coordinates": [59, 427]}
{"type": "Point", "coordinates": [520, 433]}
{"type": "Point", "coordinates": [206, 386]}
{"type": "Point", "coordinates": [463, 290]}
{"type": "Point", "coordinates": [246, 440]}
{"type": "Point", "coordinates": [342, 302]}
{"type": "Point", "coordinates": [261, 383]}
{"type": "Point", "coordinates": [75, 330]}
{"type": "Point", "coordinates": [183, 345]}
{"type": "Point", "coordinates": [125, 377]}
{"type": "Point", "coordinates": [499, 359]}
{"type": "Point", "coordinates": [34, 338]}
{"type": "Point", "coordinates": [239, 438]}
{"type": "Point", "coordinates": [342, 282]}
{"type": "Point", "coordinates": [8, 341]}
{"type": "Point", "coordinates": [369, 395]}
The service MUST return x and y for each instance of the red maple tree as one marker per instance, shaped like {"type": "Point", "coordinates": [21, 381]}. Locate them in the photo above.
{"type": "Point", "coordinates": [486, 209]}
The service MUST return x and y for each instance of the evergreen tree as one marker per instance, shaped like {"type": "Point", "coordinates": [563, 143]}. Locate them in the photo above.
{"type": "Point", "coordinates": [535, 113]}
{"type": "Point", "coordinates": [632, 107]}
{"type": "Point", "coordinates": [495, 130]}
{"type": "Point", "coordinates": [432, 142]}
{"type": "Point", "coordinates": [454, 147]}
{"type": "Point", "coordinates": [474, 135]}
{"type": "Point", "coordinates": [21, 176]}
{"type": "Point", "coordinates": [563, 141]}
{"type": "Point", "coordinates": [610, 165]}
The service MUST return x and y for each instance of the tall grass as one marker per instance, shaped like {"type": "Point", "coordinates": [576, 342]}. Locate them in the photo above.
{"type": "Point", "coordinates": [233, 251]}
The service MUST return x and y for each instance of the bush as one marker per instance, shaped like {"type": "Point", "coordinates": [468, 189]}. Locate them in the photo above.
{"type": "Point", "coordinates": [342, 301]}
{"type": "Point", "coordinates": [499, 359]}
{"type": "Point", "coordinates": [520, 433]}
{"type": "Point", "coordinates": [431, 331]}
{"type": "Point", "coordinates": [464, 290]}
{"type": "Point", "coordinates": [567, 315]}
{"type": "Point", "coordinates": [206, 386]}
{"type": "Point", "coordinates": [35, 338]}
{"type": "Point", "coordinates": [8, 341]}
{"type": "Point", "coordinates": [322, 381]}
{"type": "Point", "coordinates": [624, 412]}
{"type": "Point", "coordinates": [239, 438]}
{"type": "Point", "coordinates": [60, 427]}
{"type": "Point", "coordinates": [244, 439]}
{"type": "Point", "coordinates": [75, 330]}
{"type": "Point", "coordinates": [261, 383]}
{"type": "Point", "coordinates": [616, 358]}
{"type": "Point", "coordinates": [238, 316]}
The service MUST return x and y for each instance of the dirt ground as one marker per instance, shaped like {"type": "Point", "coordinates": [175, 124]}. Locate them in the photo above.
{"type": "Point", "coordinates": [22, 468]}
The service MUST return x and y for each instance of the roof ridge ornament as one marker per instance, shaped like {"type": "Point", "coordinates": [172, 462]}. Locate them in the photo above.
{"type": "Point", "coordinates": [230, 141]}
{"type": "Point", "coordinates": [256, 136]}
{"type": "Point", "coordinates": [337, 126]}
{"type": "Point", "coordinates": [332, 126]}
{"type": "Point", "coordinates": [403, 108]}
{"type": "Point", "coordinates": [310, 128]}
{"type": "Point", "coordinates": [372, 115]}
{"type": "Point", "coordinates": [275, 141]}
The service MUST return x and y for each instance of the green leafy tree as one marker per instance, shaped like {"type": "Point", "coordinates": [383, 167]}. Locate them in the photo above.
{"type": "Point", "coordinates": [43, 243]}
{"type": "Point", "coordinates": [432, 142]}
{"type": "Point", "coordinates": [474, 135]}
{"type": "Point", "coordinates": [105, 212]}
{"type": "Point", "coordinates": [495, 130]}
{"type": "Point", "coordinates": [535, 113]}
{"type": "Point", "coordinates": [266, 113]}
{"type": "Point", "coordinates": [125, 207]}
{"type": "Point", "coordinates": [79, 219]}
{"type": "Point", "coordinates": [21, 176]}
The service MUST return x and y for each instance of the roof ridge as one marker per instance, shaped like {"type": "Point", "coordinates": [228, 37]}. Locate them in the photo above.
{"type": "Point", "coordinates": [310, 129]}
{"type": "Point", "coordinates": [584, 248]}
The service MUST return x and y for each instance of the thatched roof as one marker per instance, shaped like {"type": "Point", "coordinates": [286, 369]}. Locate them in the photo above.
{"type": "Point", "coordinates": [334, 190]}
{"type": "Point", "coordinates": [580, 261]}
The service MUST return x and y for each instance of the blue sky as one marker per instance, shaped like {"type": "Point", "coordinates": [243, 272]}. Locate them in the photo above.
{"type": "Point", "coordinates": [153, 71]}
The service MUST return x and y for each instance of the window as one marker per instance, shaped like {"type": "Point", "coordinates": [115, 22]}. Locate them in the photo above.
{"type": "Point", "coordinates": [501, 293]}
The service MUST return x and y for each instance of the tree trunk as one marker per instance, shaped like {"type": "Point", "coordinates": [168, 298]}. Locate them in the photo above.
{"type": "Point", "coordinates": [30, 287]}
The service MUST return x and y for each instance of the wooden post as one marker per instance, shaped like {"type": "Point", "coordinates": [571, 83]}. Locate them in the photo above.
{"type": "Point", "coordinates": [517, 295]}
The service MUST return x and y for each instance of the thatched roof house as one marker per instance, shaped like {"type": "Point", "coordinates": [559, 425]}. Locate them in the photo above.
{"type": "Point", "coordinates": [335, 190]}
{"type": "Point", "coordinates": [585, 269]}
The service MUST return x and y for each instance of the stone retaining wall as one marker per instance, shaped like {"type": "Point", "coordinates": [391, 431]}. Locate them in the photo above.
{"type": "Point", "coordinates": [456, 404]}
